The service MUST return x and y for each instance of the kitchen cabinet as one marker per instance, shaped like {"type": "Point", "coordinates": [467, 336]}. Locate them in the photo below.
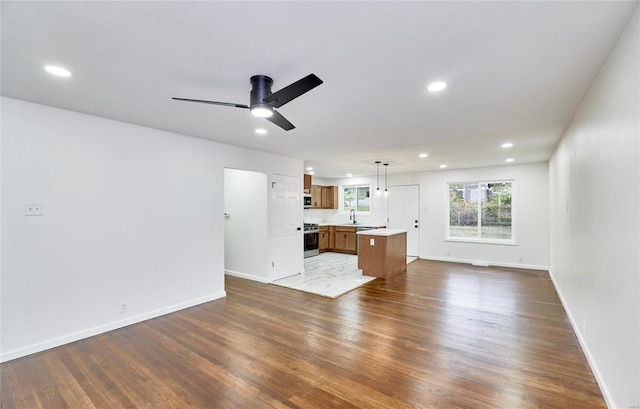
{"type": "Point", "coordinates": [316, 197]}
{"type": "Point", "coordinates": [307, 184]}
{"type": "Point", "coordinates": [332, 237]}
{"type": "Point", "coordinates": [324, 239]}
{"type": "Point", "coordinates": [383, 252]}
{"type": "Point", "coordinates": [345, 240]}
{"type": "Point", "coordinates": [330, 197]}
{"type": "Point", "coordinates": [324, 197]}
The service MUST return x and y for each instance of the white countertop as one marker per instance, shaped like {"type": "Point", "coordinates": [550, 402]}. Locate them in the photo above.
{"type": "Point", "coordinates": [375, 225]}
{"type": "Point", "coordinates": [382, 232]}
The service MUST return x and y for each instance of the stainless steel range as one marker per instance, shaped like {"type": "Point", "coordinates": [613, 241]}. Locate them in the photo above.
{"type": "Point", "coordinates": [311, 239]}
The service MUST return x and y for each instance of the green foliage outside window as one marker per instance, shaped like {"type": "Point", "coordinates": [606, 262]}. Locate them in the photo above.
{"type": "Point", "coordinates": [480, 210]}
{"type": "Point", "coordinates": [357, 198]}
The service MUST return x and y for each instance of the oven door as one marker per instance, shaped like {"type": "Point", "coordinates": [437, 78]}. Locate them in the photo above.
{"type": "Point", "coordinates": [311, 243]}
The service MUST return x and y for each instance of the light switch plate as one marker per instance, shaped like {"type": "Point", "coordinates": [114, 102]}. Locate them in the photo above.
{"type": "Point", "coordinates": [371, 242]}
{"type": "Point", "coordinates": [33, 210]}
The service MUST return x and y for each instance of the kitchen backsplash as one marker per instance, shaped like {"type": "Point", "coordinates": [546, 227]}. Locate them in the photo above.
{"type": "Point", "coordinates": [335, 216]}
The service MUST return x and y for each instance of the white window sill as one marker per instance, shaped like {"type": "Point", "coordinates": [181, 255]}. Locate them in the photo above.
{"type": "Point", "coordinates": [481, 241]}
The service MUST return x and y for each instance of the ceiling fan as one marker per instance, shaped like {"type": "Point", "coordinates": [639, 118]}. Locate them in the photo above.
{"type": "Point", "coordinates": [263, 101]}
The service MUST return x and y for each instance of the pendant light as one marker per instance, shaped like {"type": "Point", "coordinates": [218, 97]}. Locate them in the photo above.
{"type": "Point", "coordinates": [386, 186]}
{"type": "Point", "coordinates": [378, 192]}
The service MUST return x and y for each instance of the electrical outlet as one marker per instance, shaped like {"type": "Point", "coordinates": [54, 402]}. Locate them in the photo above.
{"type": "Point", "coordinates": [521, 259]}
{"type": "Point", "coordinates": [123, 308]}
{"type": "Point", "coordinates": [447, 252]}
{"type": "Point", "coordinates": [33, 210]}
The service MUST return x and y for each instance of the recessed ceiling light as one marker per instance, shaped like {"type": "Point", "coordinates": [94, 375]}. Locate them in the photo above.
{"type": "Point", "coordinates": [507, 145]}
{"type": "Point", "coordinates": [443, 166]}
{"type": "Point", "coordinates": [261, 131]}
{"type": "Point", "coordinates": [436, 86]}
{"type": "Point", "coordinates": [59, 71]}
{"type": "Point", "coordinates": [312, 173]}
{"type": "Point", "coordinates": [349, 175]}
{"type": "Point", "coordinates": [309, 168]}
{"type": "Point", "coordinates": [423, 155]}
{"type": "Point", "coordinates": [509, 160]}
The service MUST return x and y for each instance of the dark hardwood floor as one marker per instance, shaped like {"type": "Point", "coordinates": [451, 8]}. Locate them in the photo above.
{"type": "Point", "coordinates": [440, 336]}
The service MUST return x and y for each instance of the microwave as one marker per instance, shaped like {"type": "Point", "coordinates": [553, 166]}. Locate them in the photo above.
{"type": "Point", "coordinates": [306, 200]}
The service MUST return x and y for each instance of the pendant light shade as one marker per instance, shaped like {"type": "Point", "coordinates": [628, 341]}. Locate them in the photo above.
{"type": "Point", "coordinates": [378, 192]}
{"type": "Point", "coordinates": [386, 186]}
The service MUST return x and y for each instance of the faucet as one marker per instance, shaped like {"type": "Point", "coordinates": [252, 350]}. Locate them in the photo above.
{"type": "Point", "coordinates": [352, 213]}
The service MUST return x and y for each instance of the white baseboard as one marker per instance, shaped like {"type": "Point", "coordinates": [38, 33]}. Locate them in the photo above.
{"type": "Point", "coordinates": [486, 263]}
{"type": "Point", "coordinates": [585, 348]}
{"type": "Point", "coordinates": [248, 276]}
{"type": "Point", "coordinates": [89, 332]}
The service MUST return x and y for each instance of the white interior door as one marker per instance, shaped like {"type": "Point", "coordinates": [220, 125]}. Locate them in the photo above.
{"type": "Point", "coordinates": [286, 192]}
{"type": "Point", "coordinates": [404, 213]}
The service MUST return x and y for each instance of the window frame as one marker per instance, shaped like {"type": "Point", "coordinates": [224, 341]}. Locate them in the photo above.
{"type": "Point", "coordinates": [514, 217]}
{"type": "Point", "coordinates": [343, 209]}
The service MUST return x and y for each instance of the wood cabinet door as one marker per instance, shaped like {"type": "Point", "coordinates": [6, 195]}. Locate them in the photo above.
{"type": "Point", "coordinates": [341, 240]}
{"type": "Point", "coordinates": [330, 197]}
{"type": "Point", "coordinates": [332, 237]}
{"type": "Point", "coordinates": [316, 197]}
{"type": "Point", "coordinates": [350, 243]}
{"type": "Point", "coordinates": [345, 239]}
{"type": "Point", "coordinates": [324, 240]}
{"type": "Point", "coordinates": [306, 188]}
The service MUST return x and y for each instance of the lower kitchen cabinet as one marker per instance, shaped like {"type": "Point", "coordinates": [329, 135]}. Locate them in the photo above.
{"type": "Point", "coordinates": [324, 239]}
{"type": "Point", "coordinates": [345, 240]}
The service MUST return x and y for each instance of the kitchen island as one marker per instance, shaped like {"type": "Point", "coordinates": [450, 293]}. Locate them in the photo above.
{"type": "Point", "coordinates": [382, 253]}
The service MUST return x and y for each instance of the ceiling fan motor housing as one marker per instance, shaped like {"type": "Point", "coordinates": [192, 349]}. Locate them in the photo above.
{"type": "Point", "coordinates": [260, 89]}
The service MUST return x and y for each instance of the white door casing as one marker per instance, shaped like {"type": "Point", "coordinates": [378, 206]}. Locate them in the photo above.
{"type": "Point", "coordinates": [404, 214]}
{"type": "Point", "coordinates": [286, 202]}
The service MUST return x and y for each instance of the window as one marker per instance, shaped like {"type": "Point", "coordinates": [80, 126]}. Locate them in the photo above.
{"type": "Point", "coordinates": [480, 211]}
{"type": "Point", "coordinates": [357, 198]}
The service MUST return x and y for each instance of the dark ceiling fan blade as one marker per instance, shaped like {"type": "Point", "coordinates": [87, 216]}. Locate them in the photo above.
{"type": "Point", "coordinates": [281, 121]}
{"type": "Point", "coordinates": [228, 104]}
{"type": "Point", "coordinates": [293, 91]}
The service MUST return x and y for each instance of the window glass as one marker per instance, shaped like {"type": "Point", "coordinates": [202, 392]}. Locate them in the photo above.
{"type": "Point", "coordinates": [480, 211]}
{"type": "Point", "coordinates": [357, 198]}
{"type": "Point", "coordinates": [496, 211]}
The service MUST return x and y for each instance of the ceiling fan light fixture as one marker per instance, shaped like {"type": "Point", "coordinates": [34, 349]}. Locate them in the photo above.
{"type": "Point", "coordinates": [261, 112]}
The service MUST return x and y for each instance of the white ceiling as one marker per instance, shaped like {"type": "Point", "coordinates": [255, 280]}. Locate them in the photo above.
{"type": "Point", "coordinates": [516, 71]}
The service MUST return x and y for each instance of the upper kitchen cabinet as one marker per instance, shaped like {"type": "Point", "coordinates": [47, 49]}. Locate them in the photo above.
{"type": "Point", "coordinates": [330, 197]}
{"type": "Point", "coordinates": [316, 197]}
{"type": "Point", "coordinates": [324, 197]}
{"type": "Point", "coordinates": [307, 184]}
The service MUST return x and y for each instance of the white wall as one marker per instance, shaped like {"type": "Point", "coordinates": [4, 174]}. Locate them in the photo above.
{"type": "Point", "coordinates": [131, 214]}
{"type": "Point", "coordinates": [245, 227]}
{"type": "Point", "coordinates": [530, 206]}
{"type": "Point", "coordinates": [594, 185]}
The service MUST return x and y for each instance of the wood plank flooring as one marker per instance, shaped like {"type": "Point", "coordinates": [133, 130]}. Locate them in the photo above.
{"type": "Point", "coordinates": [440, 336]}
